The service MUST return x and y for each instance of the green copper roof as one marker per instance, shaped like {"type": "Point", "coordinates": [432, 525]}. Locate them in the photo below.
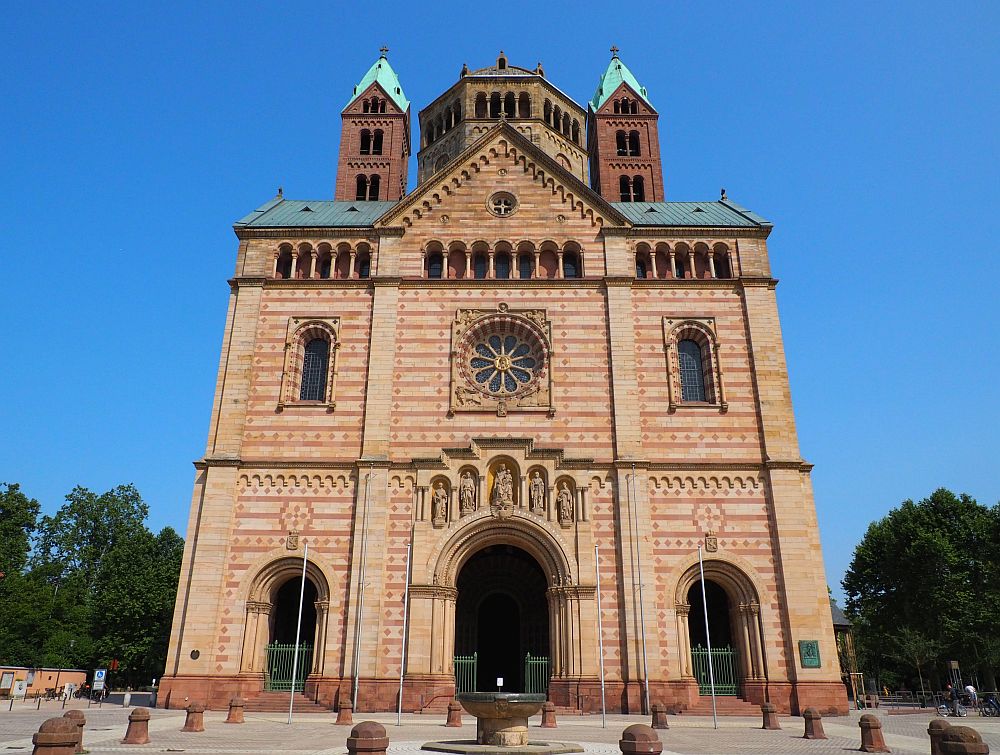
{"type": "Point", "coordinates": [381, 73]}
{"type": "Point", "coordinates": [616, 75]}
{"type": "Point", "coordinates": [724, 214]}
{"type": "Point", "coordinates": [297, 213]}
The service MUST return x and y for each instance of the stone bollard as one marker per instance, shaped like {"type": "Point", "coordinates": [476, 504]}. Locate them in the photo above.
{"type": "Point", "coordinates": [549, 715]}
{"type": "Point", "coordinates": [236, 705]}
{"type": "Point", "coordinates": [769, 714]}
{"type": "Point", "coordinates": [345, 713]}
{"type": "Point", "coordinates": [367, 738]}
{"type": "Point", "coordinates": [56, 736]}
{"type": "Point", "coordinates": [138, 727]}
{"type": "Point", "coordinates": [963, 740]}
{"type": "Point", "coordinates": [660, 716]}
{"type": "Point", "coordinates": [195, 719]}
{"type": "Point", "coordinates": [77, 717]}
{"type": "Point", "coordinates": [871, 734]}
{"type": "Point", "coordinates": [936, 730]}
{"type": "Point", "coordinates": [639, 739]}
{"type": "Point", "coordinates": [454, 714]}
{"type": "Point", "coordinates": [814, 724]}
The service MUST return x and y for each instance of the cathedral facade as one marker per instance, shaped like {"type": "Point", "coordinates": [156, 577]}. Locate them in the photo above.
{"type": "Point", "coordinates": [494, 421]}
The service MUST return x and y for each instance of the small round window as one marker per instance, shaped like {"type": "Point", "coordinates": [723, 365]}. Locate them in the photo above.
{"type": "Point", "coordinates": [502, 204]}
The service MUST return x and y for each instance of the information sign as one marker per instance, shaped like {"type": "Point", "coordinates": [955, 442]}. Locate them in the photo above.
{"type": "Point", "coordinates": [99, 677]}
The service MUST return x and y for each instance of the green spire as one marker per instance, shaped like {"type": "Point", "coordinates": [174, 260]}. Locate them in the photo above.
{"type": "Point", "coordinates": [616, 75]}
{"type": "Point", "coordinates": [381, 73]}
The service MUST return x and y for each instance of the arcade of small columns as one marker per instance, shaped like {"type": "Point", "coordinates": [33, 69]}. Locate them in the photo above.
{"type": "Point", "coordinates": [547, 261]}
{"type": "Point", "coordinates": [703, 261]}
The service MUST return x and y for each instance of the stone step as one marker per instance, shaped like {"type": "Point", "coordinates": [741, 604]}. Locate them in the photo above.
{"type": "Point", "coordinates": [275, 702]}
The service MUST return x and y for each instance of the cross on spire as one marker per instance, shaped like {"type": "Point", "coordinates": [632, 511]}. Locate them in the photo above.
{"type": "Point", "coordinates": [614, 51]}
{"type": "Point", "coordinates": [383, 49]}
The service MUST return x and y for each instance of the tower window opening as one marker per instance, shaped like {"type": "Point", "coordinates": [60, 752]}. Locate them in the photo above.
{"type": "Point", "coordinates": [365, 267]}
{"type": "Point", "coordinates": [495, 105]}
{"type": "Point", "coordinates": [524, 105]}
{"type": "Point", "coordinates": [373, 187]}
{"type": "Point", "coordinates": [508, 105]}
{"type": "Point", "coordinates": [633, 143]}
{"type": "Point", "coordinates": [641, 270]}
{"type": "Point", "coordinates": [524, 265]}
{"type": "Point", "coordinates": [692, 371]}
{"type": "Point", "coordinates": [361, 188]}
{"type": "Point", "coordinates": [314, 369]}
{"type": "Point", "coordinates": [547, 113]}
{"type": "Point", "coordinates": [621, 143]}
{"type": "Point", "coordinates": [565, 124]}
{"type": "Point", "coordinates": [366, 142]}
{"type": "Point", "coordinates": [377, 142]}
{"type": "Point", "coordinates": [638, 189]}
{"type": "Point", "coordinates": [576, 131]}
{"type": "Point", "coordinates": [481, 105]}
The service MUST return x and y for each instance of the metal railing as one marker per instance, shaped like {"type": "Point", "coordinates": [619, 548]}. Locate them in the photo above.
{"type": "Point", "coordinates": [536, 673]}
{"type": "Point", "coordinates": [466, 667]}
{"type": "Point", "coordinates": [723, 666]}
{"type": "Point", "coordinates": [280, 659]}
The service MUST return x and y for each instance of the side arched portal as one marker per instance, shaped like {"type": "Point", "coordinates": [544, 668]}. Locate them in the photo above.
{"type": "Point", "coordinates": [272, 614]}
{"type": "Point", "coordinates": [733, 625]}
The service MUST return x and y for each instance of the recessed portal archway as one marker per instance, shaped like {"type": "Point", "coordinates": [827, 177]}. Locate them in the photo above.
{"type": "Point", "coordinates": [285, 612]}
{"type": "Point", "coordinates": [502, 615]}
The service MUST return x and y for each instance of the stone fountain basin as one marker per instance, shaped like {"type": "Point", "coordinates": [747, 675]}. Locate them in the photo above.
{"type": "Point", "coordinates": [502, 717]}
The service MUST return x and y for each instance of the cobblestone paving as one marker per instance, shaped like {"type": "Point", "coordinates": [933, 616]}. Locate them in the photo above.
{"type": "Point", "coordinates": [315, 734]}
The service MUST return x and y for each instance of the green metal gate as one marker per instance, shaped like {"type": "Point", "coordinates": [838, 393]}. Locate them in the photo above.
{"type": "Point", "coordinates": [280, 659]}
{"type": "Point", "coordinates": [466, 667]}
{"type": "Point", "coordinates": [536, 673]}
{"type": "Point", "coordinates": [723, 668]}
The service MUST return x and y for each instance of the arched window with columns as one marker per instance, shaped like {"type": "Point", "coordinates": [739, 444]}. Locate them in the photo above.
{"type": "Point", "coordinates": [310, 361]}
{"type": "Point", "coordinates": [693, 361]}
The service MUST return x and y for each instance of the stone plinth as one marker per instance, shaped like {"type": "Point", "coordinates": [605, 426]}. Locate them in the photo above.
{"type": "Point", "coordinates": [56, 736]}
{"type": "Point", "coordinates": [138, 727]}
{"type": "Point", "coordinates": [77, 717]}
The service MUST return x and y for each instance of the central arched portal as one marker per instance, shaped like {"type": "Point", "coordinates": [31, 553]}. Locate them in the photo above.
{"type": "Point", "coordinates": [502, 616]}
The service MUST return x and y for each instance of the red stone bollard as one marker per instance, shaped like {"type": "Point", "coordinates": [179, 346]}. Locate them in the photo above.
{"type": "Point", "coordinates": [549, 715]}
{"type": "Point", "coordinates": [660, 716]}
{"type": "Point", "coordinates": [936, 730]}
{"type": "Point", "coordinates": [236, 706]}
{"type": "Point", "coordinates": [871, 734]}
{"type": "Point", "coordinates": [814, 724]}
{"type": "Point", "coordinates": [56, 736]}
{"type": "Point", "coordinates": [367, 738]}
{"type": "Point", "coordinates": [195, 719]}
{"type": "Point", "coordinates": [963, 740]}
{"type": "Point", "coordinates": [345, 713]}
{"type": "Point", "coordinates": [138, 727]}
{"type": "Point", "coordinates": [769, 714]}
{"type": "Point", "coordinates": [77, 717]}
{"type": "Point", "coordinates": [454, 714]}
{"type": "Point", "coordinates": [639, 739]}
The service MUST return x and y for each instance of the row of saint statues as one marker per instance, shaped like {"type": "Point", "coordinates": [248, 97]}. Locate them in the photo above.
{"type": "Point", "coordinates": [502, 496]}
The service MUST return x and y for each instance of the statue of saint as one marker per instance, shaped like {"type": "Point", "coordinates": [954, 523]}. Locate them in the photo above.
{"type": "Point", "coordinates": [467, 494]}
{"type": "Point", "coordinates": [503, 489]}
{"type": "Point", "coordinates": [565, 500]}
{"type": "Point", "coordinates": [439, 502]}
{"type": "Point", "coordinates": [537, 492]}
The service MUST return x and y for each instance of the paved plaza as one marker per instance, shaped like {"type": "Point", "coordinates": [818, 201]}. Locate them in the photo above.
{"type": "Point", "coordinates": [316, 734]}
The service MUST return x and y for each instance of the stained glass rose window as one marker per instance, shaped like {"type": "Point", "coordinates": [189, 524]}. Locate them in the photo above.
{"type": "Point", "coordinates": [502, 358]}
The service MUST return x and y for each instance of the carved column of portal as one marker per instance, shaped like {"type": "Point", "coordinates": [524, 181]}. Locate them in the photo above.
{"type": "Point", "coordinates": [319, 644]}
{"type": "Point", "coordinates": [443, 629]}
{"type": "Point", "coordinates": [481, 501]}
{"type": "Point", "coordinates": [255, 636]}
{"type": "Point", "coordinates": [522, 501]}
{"type": "Point", "coordinates": [753, 623]}
{"type": "Point", "coordinates": [743, 611]}
{"type": "Point", "coordinates": [684, 640]}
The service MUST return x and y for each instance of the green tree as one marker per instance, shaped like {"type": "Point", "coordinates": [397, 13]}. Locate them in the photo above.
{"type": "Point", "coordinates": [18, 614]}
{"type": "Point", "coordinates": [931, 569]}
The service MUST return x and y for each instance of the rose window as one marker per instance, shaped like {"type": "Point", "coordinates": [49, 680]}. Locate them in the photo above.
{"type": "Point", "coordinates": [503, 364]}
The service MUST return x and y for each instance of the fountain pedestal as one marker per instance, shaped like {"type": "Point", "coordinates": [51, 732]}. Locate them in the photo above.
{"type": "Point", "coordinates": [502, 726]}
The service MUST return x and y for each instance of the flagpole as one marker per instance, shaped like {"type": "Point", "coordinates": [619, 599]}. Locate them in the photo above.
{"type": "Point", "coordinates": [298, 632]}
{"type": "Point", "coordinates": [642, 610]}
{"type": "Point", "coordinates": [600, 635]}
{"type": "Point", "coordinates": [708, 638]}
{"type": "Point", "coordinates": [406, 616]}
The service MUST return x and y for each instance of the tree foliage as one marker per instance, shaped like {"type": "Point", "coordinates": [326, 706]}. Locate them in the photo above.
{"type": "Point", "coordinates": [87, 585]}
{"type": "Point", "coordinates": [924, 587]}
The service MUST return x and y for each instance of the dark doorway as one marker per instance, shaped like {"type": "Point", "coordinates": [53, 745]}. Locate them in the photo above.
{"type": "Point", "coordinates": [285, 613]}
{"type": "Point", "coordinates": [499, 620]}
{"type": "Point", "coordinates": [718, 616]}
{"type": "Point", "coordinates": [501, 615]}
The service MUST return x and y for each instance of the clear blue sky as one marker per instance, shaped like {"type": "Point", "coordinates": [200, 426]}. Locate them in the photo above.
{"type": "Point", "coordinates": [134, 134]}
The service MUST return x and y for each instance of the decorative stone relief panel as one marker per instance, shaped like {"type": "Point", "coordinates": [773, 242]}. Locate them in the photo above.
{"type": "Point", "coordinates": [500, 361]}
